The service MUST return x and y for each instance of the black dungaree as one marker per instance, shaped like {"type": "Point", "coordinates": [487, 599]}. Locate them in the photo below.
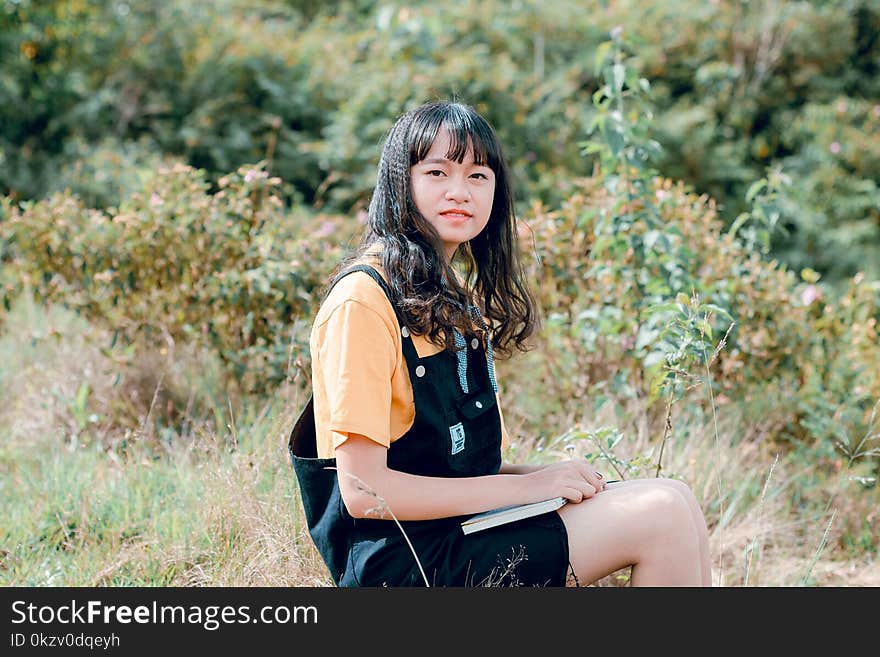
{"type": "Point", "coordinates": [453, 435]}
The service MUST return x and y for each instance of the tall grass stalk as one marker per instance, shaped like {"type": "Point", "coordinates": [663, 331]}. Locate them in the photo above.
{"type": "Point", "coordinates": [751, 549]}
{"type": "Point", "coordinates": [667, 429]}
{"type": "Point", "coordinates": [718, 481]}
{"type": "Point", "coordinates": [870, 435]}
{"type": "Point", "coordinates": [818, 552]}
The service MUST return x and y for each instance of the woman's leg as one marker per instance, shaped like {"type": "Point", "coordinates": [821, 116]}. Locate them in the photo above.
{"type": "Point", "coordinates": [646, 526]}
{"type": "Point", "coordinates": [696, 515]}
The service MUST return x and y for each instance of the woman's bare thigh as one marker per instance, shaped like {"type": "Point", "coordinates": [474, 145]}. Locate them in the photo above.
{"type": "Point", "coordinates": [626, 524]}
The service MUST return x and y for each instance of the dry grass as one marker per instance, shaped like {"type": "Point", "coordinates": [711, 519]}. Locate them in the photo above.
{"type": "Point", "coordinates": [219, 507]}
{"type": "Point", "coordinates": [760, 538]}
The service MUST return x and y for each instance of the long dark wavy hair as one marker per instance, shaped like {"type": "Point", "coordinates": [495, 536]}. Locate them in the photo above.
{"type": "Point", "coordinates": [424, 287]}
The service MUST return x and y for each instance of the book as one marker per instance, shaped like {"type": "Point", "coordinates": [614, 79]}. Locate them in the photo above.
{"type": "Point", "coordinates": [507, 514]}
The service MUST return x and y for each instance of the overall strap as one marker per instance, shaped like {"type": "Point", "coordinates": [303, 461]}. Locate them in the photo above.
{"type": "Point", "coordinates": [367, 270]}
{"type": "Point", "coordinates": [409, 349]}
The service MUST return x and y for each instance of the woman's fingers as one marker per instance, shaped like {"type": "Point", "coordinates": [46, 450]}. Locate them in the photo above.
{"type": "Point", "coordinates": [591, 475]}
{"type": "Point", "coordinates": [579, 479]}
{"type": "Point", "coordinates": [573, 495]}
{"type": "Point", "coordinates": [580, 491]}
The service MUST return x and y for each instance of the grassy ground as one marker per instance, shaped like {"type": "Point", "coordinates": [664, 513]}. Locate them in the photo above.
{"type": "Point", "coordinates": [89, 502]}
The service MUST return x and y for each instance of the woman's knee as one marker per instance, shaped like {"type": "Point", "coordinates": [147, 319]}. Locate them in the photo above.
{"type": "Point", "coordinates": [665, 511]}
{"type": "Point", "coordinates": [683, 489]}
{"type": "Point", "coordinates": [654, 507]}
{"type": "Point", "coordinates": [668, 499]}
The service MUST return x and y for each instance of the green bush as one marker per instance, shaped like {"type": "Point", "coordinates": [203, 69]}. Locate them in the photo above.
{"type": "Point", "coordinates": [833, 202]}
{"type": "Point", "coordinates": [645, 289]}
{"type": "Point", "coordinates": [230, 270]}
{"type": "Point", "coordinates": [738, 88]}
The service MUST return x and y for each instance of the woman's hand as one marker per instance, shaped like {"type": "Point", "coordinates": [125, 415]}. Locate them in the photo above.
{"type": "Point", "coordinates": [574, 480]}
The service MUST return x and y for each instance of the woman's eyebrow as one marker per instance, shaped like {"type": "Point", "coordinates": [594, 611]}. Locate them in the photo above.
{"type": "Point", "coordinates": [446, 160]}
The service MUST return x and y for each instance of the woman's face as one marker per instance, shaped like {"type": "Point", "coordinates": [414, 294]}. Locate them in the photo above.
{"type": "Point", "coordinates": [455, 198]}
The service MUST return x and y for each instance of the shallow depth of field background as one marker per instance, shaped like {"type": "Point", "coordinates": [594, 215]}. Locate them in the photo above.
{"type": "Point", "coordinates": [697, 189]}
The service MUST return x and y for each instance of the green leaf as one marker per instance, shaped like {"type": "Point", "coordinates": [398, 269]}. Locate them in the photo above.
{"type": "Point", "coordinates": [755, 188]}
{"type": "Point", "coordinates": [719, 310]}
{"type": "Point", "coordinates": [618, 75]}
{"type": "Point", "coordinates": [601, 55]}
{"type": "Point", "coordinates": [740, 220]}
{"type": "Point", "coordinates": [616, 140]}
{"type": "Point", "coordinates": [82, 395]}
{"type": "Point", "coordinates": [662, 308]}
{"type": "Point", "coordinates": [810, 275]}
{"type": "Point", "coordinates": [591, 147]}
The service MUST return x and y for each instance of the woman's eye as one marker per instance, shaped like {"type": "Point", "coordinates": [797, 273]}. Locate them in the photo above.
{"type": "Point", "coordinates": [480, 175]}
{"type": "Point", "coordinates": [435, 172]}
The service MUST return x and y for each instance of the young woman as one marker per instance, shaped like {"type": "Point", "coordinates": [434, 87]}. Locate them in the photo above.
{"type": "Point", "coordinates": [402, 439]}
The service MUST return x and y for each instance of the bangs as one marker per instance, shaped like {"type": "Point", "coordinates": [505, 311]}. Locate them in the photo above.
{"type": "Point", "coordinates": [465, 128]}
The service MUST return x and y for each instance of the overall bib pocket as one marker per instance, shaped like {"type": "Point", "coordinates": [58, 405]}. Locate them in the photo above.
{"type": "Point", "coordinates": [473, 440]}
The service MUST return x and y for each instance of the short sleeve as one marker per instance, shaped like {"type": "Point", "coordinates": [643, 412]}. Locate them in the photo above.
{"type": "Point", "coordinates": [358, 357]}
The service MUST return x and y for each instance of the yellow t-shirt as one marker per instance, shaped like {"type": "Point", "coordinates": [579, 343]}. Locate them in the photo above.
{"type": "Point", "coordinates": [360, 382]}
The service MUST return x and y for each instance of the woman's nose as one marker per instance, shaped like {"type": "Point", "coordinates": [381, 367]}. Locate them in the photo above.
{"type": "Point", "coordinates": [457, 190]}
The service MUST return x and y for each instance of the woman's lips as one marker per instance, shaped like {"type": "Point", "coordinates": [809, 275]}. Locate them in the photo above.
{"type": "Point", "coordinates": [458, 215]}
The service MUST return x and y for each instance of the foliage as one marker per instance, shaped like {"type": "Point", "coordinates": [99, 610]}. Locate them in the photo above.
{"type": "Point", "coordinates": [832, 207]}
{"type": "Point", "coordinates": [176, 263]}
{"type": "Point", "coordinates": [745, 87]}
{"type": "Point", "coordinates": [636, 274]}
{"type": "Point", "coordinates": [738, 88]}
{"type": "Point", "coordinates": [643, 288]}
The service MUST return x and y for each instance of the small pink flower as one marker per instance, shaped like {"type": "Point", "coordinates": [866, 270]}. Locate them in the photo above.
{"type": "Point", "coordinates": [155, 200]}
{"type": "Point", "coordinates": [876, 110]}
{"type": "Point", "coordinates": [250, 176]}
{"type": "Point", "coordinates": [325, 229]}
{"type": "Point", "coordinates": [834, 147]}
{"type": "Point", "coordinates": [810, 294]}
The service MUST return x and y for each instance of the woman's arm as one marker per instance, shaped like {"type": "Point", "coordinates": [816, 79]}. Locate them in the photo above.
{"type": "Point", "coordinates": [514, 468]}
{"type": "Point", "coordinates": [369, 487]}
